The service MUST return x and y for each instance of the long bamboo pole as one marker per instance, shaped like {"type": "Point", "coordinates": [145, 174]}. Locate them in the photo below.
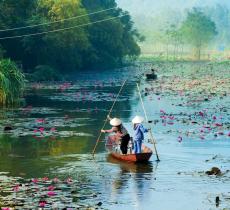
{"type": "Point", "coordinates": [98, 139]}
{"type": "Point", "coordinates": [146, 118]}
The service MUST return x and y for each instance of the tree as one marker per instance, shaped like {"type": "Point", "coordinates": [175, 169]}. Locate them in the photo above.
{"type": "Point", "coordinates": [62, 50]}
{"type": "Point", "coordinates": [198, 30]}
{"type": "Point", "coordinates": [99, 40]}
{"type": "Point", "coordinates": [112, 40]}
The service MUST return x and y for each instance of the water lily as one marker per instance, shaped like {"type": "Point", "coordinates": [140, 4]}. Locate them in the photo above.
{"type": "Point", "coordinates": [162, 111]}
{"type": "Point", "coordinates": [51, 188]}
{"type": "Point", "coordinates": [41, 129]}
{"type": "Point", "coordinates": [51, 193]}
{"type": "Point", "coordinates": [56, 180]}
{"type": "Point", "coordinates": [201, 114]}
{"type": "Point", "coordinates": [44, 179]}
{"type": "Point", "coordinates": [69, 181]}
{"type": "Point", "coordinates": [52, 129]}
{"type": "Point", "coordinates": [42, 204]}
{"type": "Point", "coordinates": [40, 120]}
{"type": "Point", "coordinates": [16, 188]}
{"type": "Point", "coordinates": [218, 124]}
{"type": "Point", "coordinates": [35, 180]}
{"type": "Point", "coordinates": [171, 117]}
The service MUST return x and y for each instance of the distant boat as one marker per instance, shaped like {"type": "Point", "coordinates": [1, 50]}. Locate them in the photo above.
{"type": "Point", "coordinates": [140, 157]}
{"type": "Point", "coordinates": [152, 76]}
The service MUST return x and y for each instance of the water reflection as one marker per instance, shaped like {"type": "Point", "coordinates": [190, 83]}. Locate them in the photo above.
{"type": "Point", "coordinates": [132, 181]}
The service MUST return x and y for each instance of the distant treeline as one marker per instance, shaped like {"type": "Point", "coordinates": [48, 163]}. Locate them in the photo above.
{"type": "Point", "coordinates": [99, 35]}
{"type": "Point", "coordinates": [195, 31]}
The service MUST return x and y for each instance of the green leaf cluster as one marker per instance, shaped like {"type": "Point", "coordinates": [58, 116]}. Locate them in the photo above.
{"type": "Point", "coordinates": [12, 82]}
{"type": "Point", "coordinates": [101, 45]}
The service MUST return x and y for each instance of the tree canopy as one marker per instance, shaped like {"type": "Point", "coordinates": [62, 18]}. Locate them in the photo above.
{"type": "Point", "coordinates": [198, 30]}
{"type": "Point", "coordinates": [85, 44]}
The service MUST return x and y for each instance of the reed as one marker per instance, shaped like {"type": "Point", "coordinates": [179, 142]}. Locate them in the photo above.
{"type": "Point", "coordinates": [12, 83]}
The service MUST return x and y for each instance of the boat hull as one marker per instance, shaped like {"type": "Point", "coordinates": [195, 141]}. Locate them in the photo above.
{"type": "Point", "coordinates": [140, 157]}
{"type": "Point", "coordinates": [137, 158]}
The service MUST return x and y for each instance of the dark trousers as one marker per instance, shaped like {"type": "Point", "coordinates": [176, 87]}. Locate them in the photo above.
{"type": "Point", "coordinates": [124, 143]}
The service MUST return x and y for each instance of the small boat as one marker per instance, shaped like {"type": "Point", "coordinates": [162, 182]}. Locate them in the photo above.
{"type": "Point", "coordinates": [151, 76]}
{"type": "Point", "coordinates": [115, 152]}
{"type": "Point", "coordinates": [131, 167]}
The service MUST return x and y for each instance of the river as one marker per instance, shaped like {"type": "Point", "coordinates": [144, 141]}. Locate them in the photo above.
{"type": "Point", "coordinates": [56, 129]}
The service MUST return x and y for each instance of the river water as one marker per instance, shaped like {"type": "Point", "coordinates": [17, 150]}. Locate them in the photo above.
{"type": "Point", "coordinates": [55, 131]}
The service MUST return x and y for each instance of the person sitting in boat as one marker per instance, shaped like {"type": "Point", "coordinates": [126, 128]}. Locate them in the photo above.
{"type": "Point", "coordinates": [120, 133]}
{"type": "Point", "coordinates": [139, 131]}
{"type": "Point", "coordinates": [152, 75]}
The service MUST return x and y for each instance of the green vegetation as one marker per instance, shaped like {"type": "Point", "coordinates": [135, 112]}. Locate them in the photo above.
{"type": "Point", "coordinates": [44, 73]}
{"type": "Point", "coordinates": [161, 22]}
{"type": "Point", "coordinates": [197, 30]}
{"type": "Point", "coordinates": [104, 44]}
{"type": "Point", "coordinates": [11, 83]}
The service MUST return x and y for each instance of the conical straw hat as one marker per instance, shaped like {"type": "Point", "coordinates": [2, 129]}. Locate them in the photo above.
{"type": "Point", "coordinates": [115, 122]}
{"type": "Point", "coordinates": [137, 119]}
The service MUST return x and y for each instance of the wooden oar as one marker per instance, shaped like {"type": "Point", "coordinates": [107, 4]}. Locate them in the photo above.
{"type": "Point", "coordinates": [146, 118]}
{"type": "Point", "coordinates": [98, 139]}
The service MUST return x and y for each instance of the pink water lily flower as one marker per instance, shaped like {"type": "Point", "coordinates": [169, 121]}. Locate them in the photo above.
{"type": "Point", "coordinates": [51, 193]}
{"type": "Point", "coordinates": [171, 117]}
{"type": "Point", "coordinates": [35, 180]}
{"type": "Point", "coordinates": [52, 129]}
{"type": "Point", "coordinates": [42, 204]}
{"type": "Point", "coordinates": [163, 117]}
{"type": "Point", "coordinates": [201, 114]}
{"type": "Point", "coordinates": [45, 179]}
{"type": "Point", "coordinates": [41, 129]}
{"type": "Point", "coordinates": [69, 181]}
{"type": "Point", "coordinates": [162, 111]}
{"type": "Point", "coordinates": [40, 120]}
{"type": "Point", "coordinates": [16, 188]}
{"type": "Point", "coordinates": [218, 124]}
{"type": "Point", "coordinates": [56, 180]}
{"type": "Point", "coordinates": [51, 188]}
{"type": "Point", "coordinates": [5, 208]}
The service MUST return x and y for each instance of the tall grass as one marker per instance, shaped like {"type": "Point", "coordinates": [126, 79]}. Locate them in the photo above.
{"type": "Point", "coordinates": [12, 83]}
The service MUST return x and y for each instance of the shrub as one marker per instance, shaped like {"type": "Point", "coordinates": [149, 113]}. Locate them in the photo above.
{"type": "Point", "coordinates": [45, 73]}
{"type": "Point", "coordinates": [12, 82]}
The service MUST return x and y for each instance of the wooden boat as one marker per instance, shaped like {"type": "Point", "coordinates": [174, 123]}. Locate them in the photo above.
{"type": "Point", "coordinates": [133, 167]}
{"type": "Point", "coordinates": [115, 152]}
{"type": "Point", "coordinates": [151, 76]}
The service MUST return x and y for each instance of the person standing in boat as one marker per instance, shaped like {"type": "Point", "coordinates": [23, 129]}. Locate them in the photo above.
{"type": "Point", "coordinates": [139, 131]}
{"type": "Point", "coordinates": [120, 133]}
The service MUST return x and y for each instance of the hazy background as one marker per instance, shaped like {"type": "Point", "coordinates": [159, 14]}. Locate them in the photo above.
{"type": "Point", "coordinates": [152, 18]}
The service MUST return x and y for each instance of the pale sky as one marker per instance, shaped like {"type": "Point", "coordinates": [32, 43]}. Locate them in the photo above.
{"type": "Point", "coordinates": [148, 7]}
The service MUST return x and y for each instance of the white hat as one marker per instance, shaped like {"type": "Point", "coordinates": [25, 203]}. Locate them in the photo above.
{"type": "Point", "coordinates": [115, 122]}
{"type": "Point", "coordinates": [137, 119]}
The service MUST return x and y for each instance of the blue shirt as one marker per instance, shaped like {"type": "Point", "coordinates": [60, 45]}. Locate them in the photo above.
{"type": "Point", "coordinates": [139, 131]}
